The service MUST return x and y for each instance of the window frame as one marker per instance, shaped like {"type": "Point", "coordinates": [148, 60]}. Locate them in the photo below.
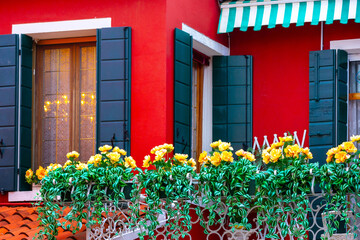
{"type": "Point", "coordinates": [75, 45]}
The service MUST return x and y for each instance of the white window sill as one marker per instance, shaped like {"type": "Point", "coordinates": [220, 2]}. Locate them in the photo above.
{"type": "Point", "coordinates": [25, 196]}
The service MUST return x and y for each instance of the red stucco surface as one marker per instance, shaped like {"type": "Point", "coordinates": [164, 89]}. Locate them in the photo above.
{"type": "Point", "coordinates": [281, 72]}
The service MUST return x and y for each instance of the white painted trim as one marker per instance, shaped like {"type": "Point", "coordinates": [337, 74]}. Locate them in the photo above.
{"type": "Point", "coordinates": [253, 3]}
{"type": "Point", "coordinates": [60, 26]}
{"type": "Point", "coordinates": [352, 46]}
{"type": "Point", "coordinates": [61, 29]}
{"type": "Point", "coordinates": [204, 44]}
{"type": "Point", "coordinates": [207, 121]}
{"type": "Point", "coordinates": [25, 196]}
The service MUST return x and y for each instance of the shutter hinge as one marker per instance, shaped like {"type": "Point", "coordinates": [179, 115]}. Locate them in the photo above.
{"type": "Point", "coordinates": [19, 52]}
{"type": "Point", "coordinates": [18, 171]}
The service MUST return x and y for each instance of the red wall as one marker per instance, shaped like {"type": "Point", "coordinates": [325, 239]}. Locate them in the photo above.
{"type": "Point", "coordinates": [280, 72]}
{"type": "Point", "coordinates": [147, 19]}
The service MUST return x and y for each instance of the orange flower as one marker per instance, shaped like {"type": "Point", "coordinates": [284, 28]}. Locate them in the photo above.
{"type": "Point", "coordinates": [203, 158]}
{"type": "Point", "coordinates": [29, 173]}
{"type": "Point", "coordinates": [240, 153]}
{"type": "Point", "coordinates": [181, 157]}
{"type": "Point", "coordinates": [215, 159]}
{"type": "Point", "coordinates": [307, 153]}
{"type": "Point", "coordinates": [40, 173]}
{"type": "Point", "coordinates": [341, 157]}
{"type": "Point", "coordinates": [130, 162]}
{"type": "Point", "coordinates": [277, 145]}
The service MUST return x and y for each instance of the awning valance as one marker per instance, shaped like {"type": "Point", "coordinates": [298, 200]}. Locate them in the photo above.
{"type": "Point", "coordinates": [258, 13]}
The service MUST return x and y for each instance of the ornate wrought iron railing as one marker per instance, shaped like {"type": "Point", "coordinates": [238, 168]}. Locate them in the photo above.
{"type": "Point", "coordinates": [115, 223]}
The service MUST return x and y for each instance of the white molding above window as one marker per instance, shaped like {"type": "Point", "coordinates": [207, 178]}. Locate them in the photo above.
{"type": "Point", "coordinates": [204, 44]}
{"type": "Point", "coordinates": [352, 46]}
{"type": "Point", "coordinates": [62, 29]}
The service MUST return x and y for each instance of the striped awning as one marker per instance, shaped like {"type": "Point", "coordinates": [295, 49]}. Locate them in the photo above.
{"type": "Point", "coordinates": [258, 13]}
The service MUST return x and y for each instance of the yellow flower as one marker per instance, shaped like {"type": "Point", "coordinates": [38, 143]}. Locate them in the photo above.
{"type": "Point", "coordinates": [168, 147]}
{"type": "Point", "coordinates": [114, 157]}
{"type": "Point", "coordinates": [181, 157]}
{"type": "Point", "coordinates": [332, 151]}
{"type": "Point", "coordinates": [73, 155]}
{"type": "Point", "coordinates": [349, 147]}
{"type": "Point", "coordinates": [215, 159]}
{"type": "Point", "coordinates": [307, 153]}
{"type": "Point", "coordinates": [355, 138]}
{"type": "Point", "coordinates": [67, 163]}
{"type": "Point", "coordinates": [292, 151]}
{"type": "Point", "coordinates": [277, 145]}
{"type": "Point", "coordinates": [192, 163]}
{"type": "Point", "coordinates": [130, 162]}
{"type": "Point", "coordinates": [265, 156]}
{"type": "Point", "coordinates": [204, 158]}
{"type": "Point", "coordinates": [240, 153]}
{"type": "Point", "coordinates": [275, 154]}
{"type": "Point", "coordinates": [81, 166]}
{"type": "Point", "coordinates": [329, 159]}
{"type": "Point", "coordinates": [147, 161]}
{"type": "Point", "coordinates": [225, 146]}
{"type": "Point", "coordinates": [29, 174]}
{"type": "Point", "coordinates": [341, 157]}
{"type": "Point", "coordinates": [95, 160]}
{"type": "Point", "coordinates": [286, 139]}
{"type": "Point", "coordinates": [52, 167]}
{"type": "Point", "coordinates": [249, 156]}
{"type": "Point", "coordinates": [40, 173]}
{"type": "Point", "coordinates": [226, 156]}
{"type": "Point", "coordinates": [120, 151]}
{"type": "Point", "coordinates": [105, 148]}
{"type": "Point", "coordinates": [160, 154]}
{"type": "Point", "coordinates": [215, 144]}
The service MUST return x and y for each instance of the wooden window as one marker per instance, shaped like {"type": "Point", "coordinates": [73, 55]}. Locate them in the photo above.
{"type": "Point", "coordinates": [65, 101]}
{"type": "Point", "coordinates": [197, 108]}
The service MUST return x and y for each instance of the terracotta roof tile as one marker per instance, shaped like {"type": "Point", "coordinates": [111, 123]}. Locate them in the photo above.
{"type": "Point", "coordinates": [20, 223]}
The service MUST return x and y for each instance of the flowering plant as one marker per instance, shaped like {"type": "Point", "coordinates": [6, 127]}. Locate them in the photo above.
{"type": "Point", "coordinates": [79, 184]}
{"type": "Point", "coordinates": [225, 180]}
{"type": "Point", "coordinates": [341, 184]}
{"type": "Point", "coordinates": [283, 186]}
{"type": "Point", "coordinates": [166, 182]}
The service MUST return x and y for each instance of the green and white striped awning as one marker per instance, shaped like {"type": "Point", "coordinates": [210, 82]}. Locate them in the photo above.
{"type": "Point", "coordinates": [258, 13]}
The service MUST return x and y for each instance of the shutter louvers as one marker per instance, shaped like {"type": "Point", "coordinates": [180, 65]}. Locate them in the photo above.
{"type": "Point", "coordinates": [182, 92]}
{"type": "Point", "coordinates": [15, 111]}
{"type": "Point", "coordinates": [232, 100]}
{"type": "Point", "coordinates": [327, 101]}
{"type": "Point", "coordinates": [114, 86]}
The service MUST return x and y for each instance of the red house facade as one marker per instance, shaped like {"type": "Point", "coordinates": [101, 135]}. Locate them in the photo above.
{"type": "Point", "coordinates": [77, 74]}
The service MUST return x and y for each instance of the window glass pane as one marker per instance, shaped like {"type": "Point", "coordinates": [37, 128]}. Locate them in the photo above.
{"type": "Point", "coordinates": [56, 105]}
{"type": "Point", "coordinates": [87, 101]}
{"type": "Point", "coordinates": [354, 105]}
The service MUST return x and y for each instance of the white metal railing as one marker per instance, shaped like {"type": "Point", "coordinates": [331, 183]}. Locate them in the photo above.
{"type": "Point", "coordinates": [257, 146]}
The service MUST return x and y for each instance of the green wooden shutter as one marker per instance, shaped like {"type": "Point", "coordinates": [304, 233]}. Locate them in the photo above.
{"type": "Point", "coordinates": [15, 110]}
{"type": "Point", "coordinates": [113, 86]}
{"type": "Point", "coordinates": [182, 92]}
{"type": "Point", "coordinates": [232, 100]}
{"type": "Point", "coordinates": [327, 108]}
{"type": "Point", "coordinates": [328, 101]}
